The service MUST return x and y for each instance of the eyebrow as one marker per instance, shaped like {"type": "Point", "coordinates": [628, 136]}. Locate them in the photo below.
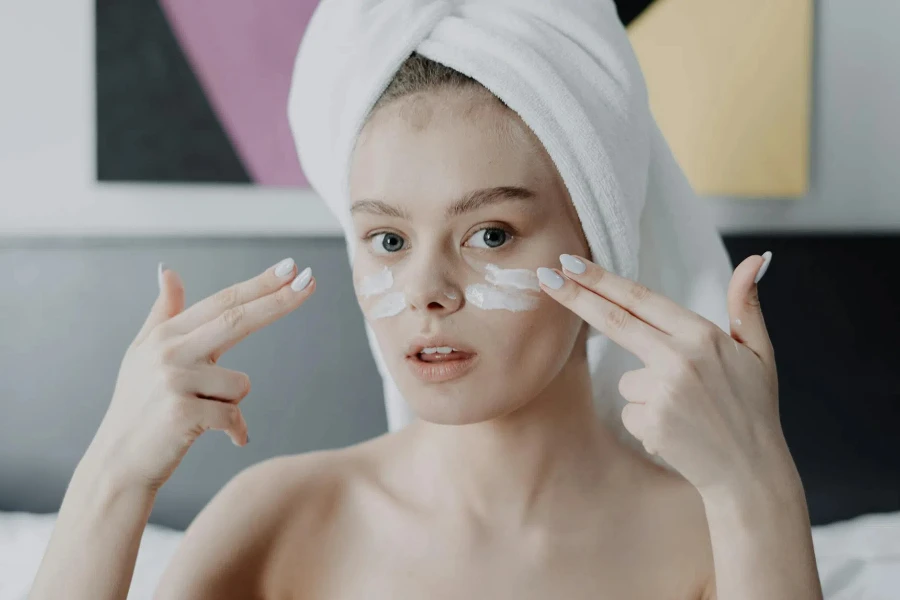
{"type": "Point", "coordinates": [467, 203]}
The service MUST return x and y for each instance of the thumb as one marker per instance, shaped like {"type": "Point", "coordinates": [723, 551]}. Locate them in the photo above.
{"type": "Point", "coordinates": [747, 323]}
{"type": "Point", "coordinates": [169, 302]}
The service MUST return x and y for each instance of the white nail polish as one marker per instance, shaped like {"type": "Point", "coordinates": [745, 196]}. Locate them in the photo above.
{"type": "Point", "coordinates": [550, 278]}
{"type": "Point", "coordinates": [284, 267]}
{"type": "Point", "coordinates": [767, 258]}
{"type": "Point", "coordinates": [572, 264]}
{"type": "Point", "coordinates": [302, 280]}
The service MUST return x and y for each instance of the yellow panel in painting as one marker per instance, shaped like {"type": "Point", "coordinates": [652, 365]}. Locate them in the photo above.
{"type": "Point", "coordinates": [729, 84]}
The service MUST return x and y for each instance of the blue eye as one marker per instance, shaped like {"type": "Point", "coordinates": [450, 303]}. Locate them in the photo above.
{"type": "Point", "coordinates": [383, 243]}
{"type": "Point", "coordinates": [489, 237]}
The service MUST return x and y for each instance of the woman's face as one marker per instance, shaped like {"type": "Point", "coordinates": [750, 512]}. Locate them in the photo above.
{"type": "Point", "coordinates": [442, 262]}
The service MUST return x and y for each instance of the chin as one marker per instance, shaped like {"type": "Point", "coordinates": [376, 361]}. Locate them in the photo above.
{"type": "Point", "coordinates": [458, 403]}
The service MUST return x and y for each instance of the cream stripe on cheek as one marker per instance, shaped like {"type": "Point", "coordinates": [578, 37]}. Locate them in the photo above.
{"type": "Point", "coordinates": [489, 297]}
{"type": "Point", "coordinates": [509, 289]}
{"type": "Point", "coordinates": [389, 304]}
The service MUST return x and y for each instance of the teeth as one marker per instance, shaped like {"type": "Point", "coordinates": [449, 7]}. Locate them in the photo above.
{"type": "Point", "coordinates": [440, 350]}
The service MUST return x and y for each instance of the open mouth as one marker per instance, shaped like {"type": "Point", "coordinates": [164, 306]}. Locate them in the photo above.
{"type": "Point", "coordinates": [442, 354]}
{"type": "Point", "coordinates": [438, 362]}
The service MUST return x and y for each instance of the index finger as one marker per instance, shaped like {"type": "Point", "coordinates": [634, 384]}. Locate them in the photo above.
{"type": "Point", "coordinates": [216, 337]}
{"type": "Point", "coordinates": [270, 280]}
{"type": "Point", "coordinates": [644, 341]}
{"type": "Point", "coordinates": [657, 310]}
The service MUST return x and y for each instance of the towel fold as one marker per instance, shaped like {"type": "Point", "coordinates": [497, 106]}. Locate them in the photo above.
{"type": "Point", "coordinates": [566, 67]}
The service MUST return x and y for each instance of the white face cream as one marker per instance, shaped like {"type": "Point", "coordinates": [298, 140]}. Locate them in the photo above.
{"type": "Point", "coordinates": [389, 304]}
{"type": "Point", "coordinates": [376, 284]}
{"type": "Point", "coordinates": [507, 289]}
{"type": "Point", "coordinates": [523, 279]}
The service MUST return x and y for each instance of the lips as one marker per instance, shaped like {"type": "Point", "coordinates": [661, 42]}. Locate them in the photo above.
{"type": "Point", "coordinates": [435, 360]}
{"type": "Point", "coordinates": [437, 349]}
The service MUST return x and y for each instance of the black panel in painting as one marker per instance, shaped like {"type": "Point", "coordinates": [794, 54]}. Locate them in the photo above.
{"type": "Point", "coordinates": [832, 316]}
{"type": "Point", "coordinates": [154, 122]}
{"type": "Point", "coordinates": [629, 10]}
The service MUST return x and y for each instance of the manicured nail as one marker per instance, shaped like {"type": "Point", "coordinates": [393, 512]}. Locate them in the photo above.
{"type": "Point", "coordinates": [550, 278]}
{"type": "Point", "coordinates": [159, 271]}
{"type": "Point", "coordinates": [284, 268]}
{"type": "Point", "coordinates": [570, 263]}
{"type": "Point", "coordinates": [302, 280]}
{"type": "Point", "coordinates": [767, 258]}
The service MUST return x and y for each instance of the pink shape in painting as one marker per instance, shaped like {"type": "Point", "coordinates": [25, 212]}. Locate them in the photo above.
{"type": "Point", "coordinates": [242, 53]}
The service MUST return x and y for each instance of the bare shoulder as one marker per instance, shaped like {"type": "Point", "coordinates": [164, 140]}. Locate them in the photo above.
{"type": "Point", "coordinates": [687, 533]}
{"type": "Point", "coordinates": [673, 525]}
{"type": "Point", "coordinates": [233, 547]}
{"type": "Point", "coordinates": [222, 552]}
{"type": "Point", "coordinates": [321, 495]}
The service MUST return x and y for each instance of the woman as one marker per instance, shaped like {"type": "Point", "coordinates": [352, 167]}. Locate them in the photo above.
{"type": "Point", "coordinates": [508, 483]}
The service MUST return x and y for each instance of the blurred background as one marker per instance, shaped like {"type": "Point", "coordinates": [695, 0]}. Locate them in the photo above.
{"type": "Point", "coordinates": [139, 132]}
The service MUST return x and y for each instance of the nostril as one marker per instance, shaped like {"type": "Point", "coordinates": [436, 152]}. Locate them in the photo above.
{"type": "Point", "coordinates": [435, 306]}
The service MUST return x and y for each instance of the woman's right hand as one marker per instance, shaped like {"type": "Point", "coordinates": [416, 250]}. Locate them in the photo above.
{"type": "Point", "coordinates": [170, 389]}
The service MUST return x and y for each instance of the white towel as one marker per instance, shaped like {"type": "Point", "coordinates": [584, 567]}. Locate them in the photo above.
{"type": "Point", "coordinates": [567, 68]}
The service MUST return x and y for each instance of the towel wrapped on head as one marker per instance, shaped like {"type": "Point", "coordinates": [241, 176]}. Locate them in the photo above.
{"type": "Point", "coordinates": [567, 69]}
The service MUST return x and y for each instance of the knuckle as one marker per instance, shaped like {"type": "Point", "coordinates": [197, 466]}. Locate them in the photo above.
{"type": "Point", "coordinates": [172, 378]}
{"type": "Point", "coordinates": [232, 415]}
{"type": "Point", "coordinates": [168, 351]}
{"type": "Point", "coordinates": [707, 335]}
{"type": "Point", "coordinates": [244, 384]}
{"type": "Point", "coordinates": [177, 412]}
{"type": "Point", "coordinates": [638, 293]}
{"type": "Point", "coordinates": [226, 298]}
{"type": "Point", "coordinates": [615, 318]}
{"type": "Point", "coordinates": [233, 316]}
{"type": "Point", "coordinates": [753, 299]}
{"type": "Point", "coordinates": [280, 300]}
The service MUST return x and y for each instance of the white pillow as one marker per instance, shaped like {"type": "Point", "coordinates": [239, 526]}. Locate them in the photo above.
{"type": "Point", "coordinates": [859, 559]}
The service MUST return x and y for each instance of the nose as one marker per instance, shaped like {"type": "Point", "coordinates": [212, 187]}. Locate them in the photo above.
{"type": "Point", "coordinates": [431, 290]}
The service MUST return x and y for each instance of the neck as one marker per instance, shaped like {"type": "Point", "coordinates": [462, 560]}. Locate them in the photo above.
{"type": "Point", "coordinates": [526, 466]}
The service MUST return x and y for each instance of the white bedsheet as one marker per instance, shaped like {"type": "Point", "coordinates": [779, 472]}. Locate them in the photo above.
{"type": "Point", "coordinates": [24, 537]}
{"type": "Point", "coordinates": [858, 559]}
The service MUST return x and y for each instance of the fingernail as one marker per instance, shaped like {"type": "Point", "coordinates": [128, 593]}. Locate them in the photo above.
{"type": "Point", "coordinates": [550, 278]}
{"type": "Point", "coordinates": [159, 272]}
{"type": "Point", "coordinates": [767, 258]}
{"type": "Point", "coordinates": [570, 263]}
{"type": "Point", "coordinates": [284, 268]}
{"type": "Point", "coordinates": [302, 280]}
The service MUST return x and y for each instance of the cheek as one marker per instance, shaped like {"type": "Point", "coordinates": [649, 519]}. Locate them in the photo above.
{"type": "Point", "coordinates": [538, 338]}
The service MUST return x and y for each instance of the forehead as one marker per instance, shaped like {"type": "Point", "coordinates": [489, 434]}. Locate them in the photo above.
{"type": "Point", "coordinates": [439, 145]}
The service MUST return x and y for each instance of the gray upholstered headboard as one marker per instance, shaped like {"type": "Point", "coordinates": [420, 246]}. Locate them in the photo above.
{"type": "Point", "coordinates": [68, 310]}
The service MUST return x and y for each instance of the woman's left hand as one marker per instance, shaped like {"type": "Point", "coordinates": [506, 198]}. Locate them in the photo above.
{"type": "Point", "coordinates": [706, 401]}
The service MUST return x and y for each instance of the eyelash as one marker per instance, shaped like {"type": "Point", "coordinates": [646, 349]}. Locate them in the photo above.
{"type": "Point", "coordinates": [511, 235]}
